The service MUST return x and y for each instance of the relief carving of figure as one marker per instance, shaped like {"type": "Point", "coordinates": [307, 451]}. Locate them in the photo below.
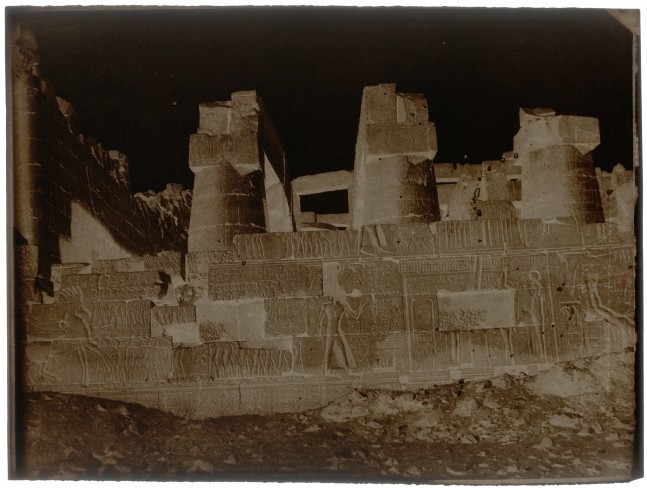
{"type": "Point", "coordinates": [377, 239]}
{"type": "Point", "coordinates": [534, 311]}
{"type": "Point", "coordinates": [76, 330]}
{"type": "Point", "coordinates": [595, 308]}
{"type": "Point", "coordinates": [333, 313]}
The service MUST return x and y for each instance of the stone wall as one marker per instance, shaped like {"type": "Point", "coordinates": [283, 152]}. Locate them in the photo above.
{"type": "Point", "coordinates": [437, 305]}
{"type": "Point", "coordinates": [56, 167]}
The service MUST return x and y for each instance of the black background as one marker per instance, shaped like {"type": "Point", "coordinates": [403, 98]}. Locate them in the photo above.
{"type": "Point", "coordinates": [135, 77]}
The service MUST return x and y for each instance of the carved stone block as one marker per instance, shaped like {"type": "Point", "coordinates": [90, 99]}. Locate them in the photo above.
{"type": "Point", "coordinates": [128, 286]}
{"type": "Point", "coordinates": [27, 261]}
{"type": "Point", "coordinates": [379, 104]}
{"type": "Point", "coordinates": [239, 149]}
{"type": "Point", "coordinates": [412, 108]}
{"type": "Point", "coordinates": [87, 283]}
{"type": "Point", "coordinates": [121, 319]}
{"type": "Point", "coordinates": [167, 262]}
{"type": "Point", "coordinates": [296, 245]}
{"type": "Point", "coordinates": [48, 321]}
{"type": "Point", "coordinates": [395, 139]}
{"type": "Point", "coordinates": [220, 360]}
{"type": "Point", "coordinates": [242, 320]}
{"type": "Point", "coordinates": [125, 265]}
{"type": "Point", "coordinates": [476, 309]}
{"type": "Point", "coordinates": [231, 282]}
{"type": "Point", "coordinates": [198, 263]}
{"type": "Point", "coordinates": [285, 316]}
{"type": "Point", "coordinates": [177, 322]}
{"type": "Point", "coordinates": [124, 362]}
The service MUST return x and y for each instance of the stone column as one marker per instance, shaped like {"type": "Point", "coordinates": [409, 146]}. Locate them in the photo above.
{"type": "Point", "coordinates": [25, 89]}
{"type": "Point", "coordinates": [228, 192]}
{"type": "Point", "coordinates": [394, 176]}
{"type": "Point", "coordinates": [558, 177]}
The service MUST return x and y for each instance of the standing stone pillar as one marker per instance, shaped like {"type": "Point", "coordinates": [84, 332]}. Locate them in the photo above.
{"type": "Point", "coordinates": [25, 89]}
{"type": "Point", "coordinates": [394, 175]}
{"type": "Point", "coordinates": [558, 177]}
{"type": "Point", "coordinates": [228, 192]}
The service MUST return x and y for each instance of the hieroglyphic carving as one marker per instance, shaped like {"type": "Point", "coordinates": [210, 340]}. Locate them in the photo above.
{"type": "Point", "coordinates": [216, 360]}
{"type": "Point", "coordinates": [230, 282]}
{"type": "Point", "coordinates": [128, 286]}
{"type": "Point", "coordinates": [424, 353]}
{"type": "Point", "coordinates": [134, 360]}
{"type": "Point", "coordinates": [370, 277]}
{"type": "Point", "coordinates": [89, 283]}
{"type": "Point", "coordinates": [285, 316]}
{"type": "Point", "coordinates": [296, 245]}
{"type": "Point", "coordinates": [409, 239]}
{"type": "Point", "coordinates": [422, 314]}
{"type": "Point", "coordinates": [108, 362]}
{"type": "Point", "coordinates": [388, 314]}
{"type": "Point", "coordinates": [198, 263]}
{"type": "Point", "coordinates": [173, 315]}
{"type": "Point", "coordinates": [333, 313]}
{"type": "Point", "coordinates": [124, 265]}
{"type": "Point", "coordinates": [429, 283]}
{"type": "Point", "coordinates": [48, 321]}
{"type": "Point", "coordinates": [167, 262]}
{"type": "Point", "coordinates": [435, 265]}
{"type": "Point", "coordinates": [121, 319]}
{"type": "Point", "coordinates": [211, 331]}
{"type": "Point", "coordinates": [476, 309]}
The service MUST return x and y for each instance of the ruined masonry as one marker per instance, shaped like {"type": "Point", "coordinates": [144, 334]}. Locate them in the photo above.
{"type": "Point", "coordinates": [232, 300]}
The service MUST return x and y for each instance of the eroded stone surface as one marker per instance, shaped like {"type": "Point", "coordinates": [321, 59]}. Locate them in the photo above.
{"type": "Point", "coordinates": [446, 272]}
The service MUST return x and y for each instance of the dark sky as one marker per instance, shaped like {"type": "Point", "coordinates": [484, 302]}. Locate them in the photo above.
{"type": "Point", "coordinates": [136, 77]}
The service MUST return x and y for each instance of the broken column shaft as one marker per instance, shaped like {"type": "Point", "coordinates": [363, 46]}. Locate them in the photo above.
{"type": "Point", "coordinates": [396, 143]}
{"type": "Point", "coordinates": [228, 193]}
{"type": "Point", "coordinates": [557, 171]}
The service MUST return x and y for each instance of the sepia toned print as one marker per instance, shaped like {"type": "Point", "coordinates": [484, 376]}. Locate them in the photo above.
{"type": "Point", "coordinates": [453, 321]}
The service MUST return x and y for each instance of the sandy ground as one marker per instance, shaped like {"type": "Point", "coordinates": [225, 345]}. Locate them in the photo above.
{"type": "Point", "coordinates": [575, 421]}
